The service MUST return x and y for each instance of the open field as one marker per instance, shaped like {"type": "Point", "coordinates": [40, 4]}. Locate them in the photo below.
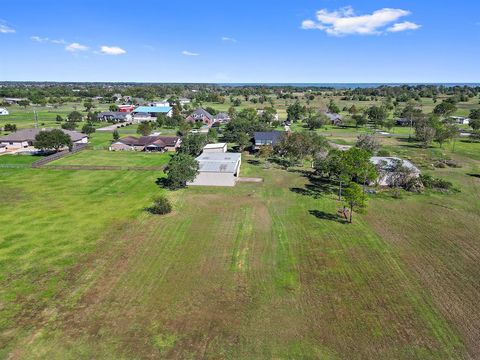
{"type": "Point", "coordinates": [113, 158]}
{"type": "Point", "coordinates": [259, 270]}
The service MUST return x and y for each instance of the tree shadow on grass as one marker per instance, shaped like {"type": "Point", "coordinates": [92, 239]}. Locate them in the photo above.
{"type": "Point", "coordinates": [254, 162]}
{"type": "Point", "coordinates": [317, 188]}
{"type": "Point", "coordinates": [327, 216]}
{"type": "Point", "coordinates": [474, 175]}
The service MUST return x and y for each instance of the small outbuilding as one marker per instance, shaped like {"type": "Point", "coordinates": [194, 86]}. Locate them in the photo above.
{"type": "Point", "coordinates": [215, 148]}
{"type": "Point", "coordinates": [3, 111]}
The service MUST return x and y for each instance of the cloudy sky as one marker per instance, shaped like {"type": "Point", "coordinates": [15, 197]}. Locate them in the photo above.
{"type": "Point", "coordinates": [240, 41]}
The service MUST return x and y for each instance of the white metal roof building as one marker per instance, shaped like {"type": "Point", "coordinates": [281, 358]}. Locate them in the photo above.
{"type": "Point", "coordinates": [217, 147]}
{"type": "Point", "coordinates": [218, 169]}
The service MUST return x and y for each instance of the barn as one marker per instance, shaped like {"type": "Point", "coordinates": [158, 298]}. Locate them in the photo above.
{"type": "Point", "coordinates": [218, 169]}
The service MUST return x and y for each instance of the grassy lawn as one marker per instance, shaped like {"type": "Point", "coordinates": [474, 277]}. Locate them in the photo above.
{"type": "Point", "coordinates": [114, 158]}
{"type": "Point", "coordinates": [9, 159]}
{"type": "Point", "coordinates": [256, 271]}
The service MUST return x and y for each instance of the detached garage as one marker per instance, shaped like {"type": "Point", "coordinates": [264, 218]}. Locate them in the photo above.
{"type": "Point", "coordinates": [218, 169]}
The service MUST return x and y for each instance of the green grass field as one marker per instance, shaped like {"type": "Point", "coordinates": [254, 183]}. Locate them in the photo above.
{"type": "Point", "coordinates": [256, 271]}
{"type": "Point", "coordinates": [121, 158]}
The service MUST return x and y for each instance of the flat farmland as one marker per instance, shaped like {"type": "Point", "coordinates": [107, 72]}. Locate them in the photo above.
{"type": "Point", "coordinates": [256, 271]}
{"type": "Point", "coordinates": [115, 158]}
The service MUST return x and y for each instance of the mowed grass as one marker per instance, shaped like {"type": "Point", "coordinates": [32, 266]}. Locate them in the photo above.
{"type": "Point", "coordinates": [49, 221]}
{"type": "Point", "coordinates": [256, 271]}
{"type": "Point", "coordinates": [115, 158]}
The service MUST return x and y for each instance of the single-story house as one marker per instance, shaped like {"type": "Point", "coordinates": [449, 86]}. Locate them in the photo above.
{"type": "Point", "coordinates": [215, 148]}
{"type": "Point", "coordinates": [4, 111]}
{"type": "Point", "coordinates": [25, 138]}
{"type": "Point", "coordinates": [218, 169]}
{"type": "Point", "coordinates": [146, 143]}
{"type": "Point", "coordinates": [385, 166]}
{"type": "Point", "coordinates": [201, 115]}
{"type": "Point", "coordinates": [160, 103]}
{"type": "Point", "coordinates": [12, 101]}
{"type": "Point", "coordinates": [461, 120]}
{"type": "Point", "coordinates": [403, 122]}
{"type": "Point", "coordinates": [147, 113]}
{"type": "Point", "coordinates": [114, 116]}
{"type": "Point", "coordinates": [184, 101]}
{"type": "Point", "coordinates": [221, 118]}
{"type": "Point", "coordinates": [270, 138]}
{"type": "Point", "coordinates": [335, 119]}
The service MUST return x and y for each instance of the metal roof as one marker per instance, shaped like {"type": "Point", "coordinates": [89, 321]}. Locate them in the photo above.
{"type": "Point", "coordinates": [219, 162]}
{"type": "Point", "coordinates": [215, 146]}
{"type": "Point", "coordinates": [388, 163]}
{"type": "Point", "coordinates": [30, 134]}
{"type": "Point", "coordinates": [153, 109]}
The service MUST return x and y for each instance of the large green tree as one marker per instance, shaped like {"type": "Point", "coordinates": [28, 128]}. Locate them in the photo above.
{"type": "Point", "coordinates": [54, 139]}
{"type": "Point", "coordinates": [181, 169]}
{"type": "Point", "coordinates": [355, 198]}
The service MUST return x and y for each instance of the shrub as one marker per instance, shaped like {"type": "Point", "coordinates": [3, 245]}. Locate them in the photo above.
{"type": "Point", "coordinates": [383, 152]}
{"type": "Point", "coordinates": [161, 206]}
{"type": "Point", "coordinates": [431, 182]}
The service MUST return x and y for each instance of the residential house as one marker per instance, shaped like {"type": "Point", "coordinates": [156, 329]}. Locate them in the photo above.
{"type": "Point", "coordinates": [460, 120]}
{"type": "Point", "coordinates": [147, 143]}
{"type": "Point", "coordinates": [403, 122]}
{"type": "Point", "coordinates": [184, 101]}
{"type": "Point", "coordinates": [215, 148]}
{"type": "Point", "coordinates": [3, 111]}
{"type": "Point", "coordinates": [335, 119]}
{"type": "Point", "coordinates": [269, 138]}
{"type": "Point", "coordinates": [114, 116]}
{"type": "Point", "coordinates": [25, 138]}
{"type": "Point", "coordinates": [12, 101]}
{"type": "Point", "coordinates": [201, 115]}
{"type": "Point", "coordinates": [221, 118]}
{"type": "Point", "coordinates": [3, 148]}
{"type": "Point", "coordinates": [217, 169]}
{"type": "Point", "coordinates": [149, 113]}
{"type": "Point", "coordinates": [385, 167]}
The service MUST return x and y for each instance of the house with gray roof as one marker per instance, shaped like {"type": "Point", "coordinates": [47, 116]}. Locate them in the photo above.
{"type": "Point", "coordinates": [201, 115]}
{"type": "Point", "coordinates": [114, 116]}
{"type": "Point", "coordinates": [269, 138]}
{"type": "Point", "coordinates": [335, 119]}
{"type": "Point", "coordinates": [25, 138]}
{"type": "Point", "coordinates": [222, 117]}
{"type": "Point", "coordinates": [217, 169]}
{"type": "Point", "coordinates": [387, 166]}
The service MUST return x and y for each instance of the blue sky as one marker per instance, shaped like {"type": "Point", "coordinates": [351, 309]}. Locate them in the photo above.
{"type": "Point", "coordinates": [240, 41]}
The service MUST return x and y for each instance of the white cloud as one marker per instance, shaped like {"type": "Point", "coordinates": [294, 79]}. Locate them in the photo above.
{"type": "Point", "coordinates": [343, 22]}
{"type": "Point", "coordinates": [228, 39]}
{"type": "Point", "coordinates": [112, 50]}
{"type": "Point", "coordinates": [406, 25]}
{"type": "Point", "coordinates": [5, 29]}
{"type": "Point", "coordinates": [189, 53]}
{"type": "Point", "coordinates": [74, 47]}
{"type": "Point", "coordinates": [47, 40]}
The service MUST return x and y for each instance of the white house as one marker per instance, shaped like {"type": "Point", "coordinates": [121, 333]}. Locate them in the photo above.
{"type": "Point", "coordinates": [23, 139]}
{"type": "Point", "coordinates": [215, 148]}
{"type": "Point", "coordinates": [386, 165]}
{"type": "Point", "coordinates": [3, 111]}
{"type": "Point", "coordinates": [461, 120]}
{"type": "Point", "coordinates": [217, 169]}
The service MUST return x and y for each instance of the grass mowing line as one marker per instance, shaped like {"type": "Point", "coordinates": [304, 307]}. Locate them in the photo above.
{"type": "Point", "coordinates": [239, 256]}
